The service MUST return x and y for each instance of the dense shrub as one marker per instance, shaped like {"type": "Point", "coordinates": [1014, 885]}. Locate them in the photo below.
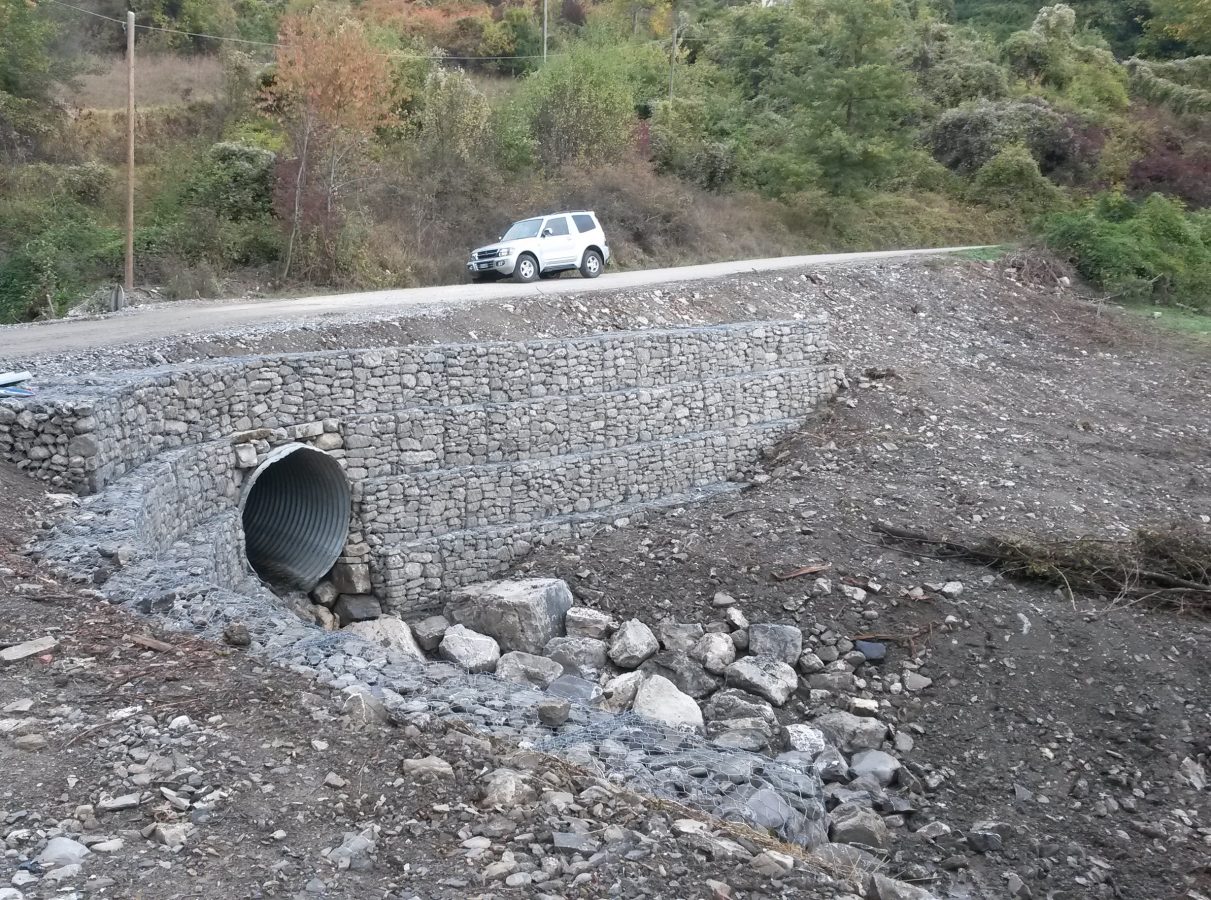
{"type": "Point", "coordinates": [1098, 89]}
{"type": "Point", "coordinates": [580, 109]}
{"type": "Point", "coordinates": [43, 276]}
{"type": "Point", "coordinates": [682, 145]}
{"type": "Point", "coordinates": [1152, 249]}
{"type": "Point", "coordinates": [454, 119]}
{"type": "Point", "coordinates": [957, 80]}
{"type": "Point", "coordinates": [1012, 180]}
{"type": "Point", "coordinates": [966, 138]}
{"type": "Point", "coordinates": [235, 182]}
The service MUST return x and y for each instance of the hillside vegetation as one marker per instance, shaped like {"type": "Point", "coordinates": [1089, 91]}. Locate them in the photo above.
{"type": "Point", "coordinates": [369, 144]}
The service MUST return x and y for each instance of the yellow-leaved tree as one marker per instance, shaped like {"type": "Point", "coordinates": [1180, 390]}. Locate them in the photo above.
{"type": "Point", "coordinates": [1187, 20]}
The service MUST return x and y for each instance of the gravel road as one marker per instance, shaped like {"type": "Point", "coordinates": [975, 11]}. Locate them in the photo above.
{"type": "Point", "coordinates": [178, 319]}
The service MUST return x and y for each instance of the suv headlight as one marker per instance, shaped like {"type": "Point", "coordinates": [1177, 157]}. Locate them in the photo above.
{"type": "Point", "coordinates": [505, 251]}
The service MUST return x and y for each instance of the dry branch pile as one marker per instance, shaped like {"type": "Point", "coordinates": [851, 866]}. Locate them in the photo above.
{"type": "Point", "coordinates": [1167, 565]}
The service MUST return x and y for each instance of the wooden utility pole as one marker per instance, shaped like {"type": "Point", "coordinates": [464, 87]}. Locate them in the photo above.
{"type": "Point", "coordinates": [130, 152]}
{"type": "Point", "coordinates": [544, 30]}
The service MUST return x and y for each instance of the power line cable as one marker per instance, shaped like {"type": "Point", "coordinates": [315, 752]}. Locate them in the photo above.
{"type": "Point", "coordinates": [215, 37]}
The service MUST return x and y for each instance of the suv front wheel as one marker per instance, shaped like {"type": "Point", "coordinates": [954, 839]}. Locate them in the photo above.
{"type": "Point", "coordinates": [590, 266]}
{"type": "Point", "coordinates": [527, 268]}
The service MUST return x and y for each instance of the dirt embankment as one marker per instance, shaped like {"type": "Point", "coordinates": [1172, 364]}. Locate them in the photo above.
{"type": "Point", "coordinates": [1079, 729]}
{"type": "Point", "coordinates": [980, 406]}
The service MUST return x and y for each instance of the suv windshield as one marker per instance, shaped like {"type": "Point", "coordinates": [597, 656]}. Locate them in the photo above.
{"type": "Point", "coordinates": [527, 228]}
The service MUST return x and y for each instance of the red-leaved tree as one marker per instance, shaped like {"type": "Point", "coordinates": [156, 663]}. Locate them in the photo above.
{"type": "Point", "coordinates": [333, 88]}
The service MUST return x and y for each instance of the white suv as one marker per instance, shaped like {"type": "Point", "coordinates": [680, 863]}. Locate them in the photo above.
{"type": "Point", "coordinates": [543, 247]}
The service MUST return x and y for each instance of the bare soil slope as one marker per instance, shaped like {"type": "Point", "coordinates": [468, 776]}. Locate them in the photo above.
{"type": "Point", "coordinates": [193, 770]}
{"type": "Point", "coordinates": [978, 403]}
{"type": "Point", "coordinates": [982, 406]}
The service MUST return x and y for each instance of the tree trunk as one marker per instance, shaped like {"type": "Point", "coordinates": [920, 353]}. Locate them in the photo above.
{"type": "Point", "coordinates": [298, 197]}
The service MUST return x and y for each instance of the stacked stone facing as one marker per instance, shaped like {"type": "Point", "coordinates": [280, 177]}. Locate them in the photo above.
{"type": "Point", "coordinates": [460, 456]}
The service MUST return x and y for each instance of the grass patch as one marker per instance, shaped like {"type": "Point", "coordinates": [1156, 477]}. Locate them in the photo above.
{"type": "Point", "coordinates": [986, 254]}
{"type": "Point", "coordinates": [160, 80]}
{"type": "Point", "coordinates": [1188, 322]}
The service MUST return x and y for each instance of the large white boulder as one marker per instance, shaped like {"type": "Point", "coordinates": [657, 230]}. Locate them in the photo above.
{"type": "Point", "coordinates": [632, 644]}
{"type": "Point", "coordinates": [389, 633]}
{"type": "Point", "coordinates": [469, 650]}
{"type": "Point", "coordinates": [658, 699]}
{"type": "Point", "coordinates": [519, 615]}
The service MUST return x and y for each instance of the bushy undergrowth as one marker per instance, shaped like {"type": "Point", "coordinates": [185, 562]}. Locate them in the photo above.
{"type": "Point", "coordinates": [1139, 250]}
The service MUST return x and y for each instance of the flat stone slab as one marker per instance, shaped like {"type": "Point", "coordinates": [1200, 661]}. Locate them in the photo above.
{"type": "Point", "coordinates": [28, 649]}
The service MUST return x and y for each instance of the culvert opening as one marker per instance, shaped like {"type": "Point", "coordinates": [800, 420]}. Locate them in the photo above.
{"type": "Point", "coordinates": [295, 512]}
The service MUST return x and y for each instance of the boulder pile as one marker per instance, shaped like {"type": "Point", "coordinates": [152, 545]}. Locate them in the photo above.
{"type": "Point", "coordinates": [814, 704]}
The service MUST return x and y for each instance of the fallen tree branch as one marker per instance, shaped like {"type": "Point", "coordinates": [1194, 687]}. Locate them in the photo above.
{"type": "Point", "coordinates": [799, 573]}
{"type": "Point", "coordinates": [1167, 566]}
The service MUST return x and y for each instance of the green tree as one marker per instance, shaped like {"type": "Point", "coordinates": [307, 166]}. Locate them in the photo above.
{"type": "Point", "coordinates": [29, 71]}
{"type": "Point", "coordinates": [1054, 54]}
{"type": "Point", "coordinates": [453, 121]}
{"type": "Point", "coordinates": [953, 64]}
{"type": "Point", "coordinates": [748, 42]}
{"type": "Point", "coordinates": [1121, 23]}
{"type": "Point", "coordinates": [839, 100]}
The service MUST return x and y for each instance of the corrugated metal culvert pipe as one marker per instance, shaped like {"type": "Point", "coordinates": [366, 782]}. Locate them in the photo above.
{"type": "Point", "coordinates": [295, 511]}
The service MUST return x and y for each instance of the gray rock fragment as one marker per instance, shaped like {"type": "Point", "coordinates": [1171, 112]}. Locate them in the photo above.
{"type": "Point", "coordinates": [679, 637]}
{"type": "Point", "coordinates": [589, 623]}
{"type": "Point", "coordinates": [429, 632]}
{"type": "Point", "coordinates": [575, 688]}
{"type": "Point", "coordinates": [528, 669]}
{"type": "Point", "coordinates": [854, 823]}
{"type": "Point", "coordinates": [806, 739]}
{"type": "Point", "coordinates": [62, 851]}
{"type": "Point", "coordinates": [632, 644]}
{"type": "Point", "coordinates": [387, 632]}
{"type": "Point", "coordinates": [715, 652]}
{"type": "Point", "coordinates": [880, 887]}
{"type": "Point", "coordinates": [852, 733]}
{"type": "Point", "coordinates": [470, 651]}
{"type": "Point", "coordinates": [784, 642]}
{"type": "Point", "coordinates": [357, 608]}
{"type": "Point", "coordinates": [879, 765]}
{"type": "Point", "coordinates": [689, 676]}
{"type": "Point", "coordinates": [553, 711]}
{"type": "Point", "coordinates": [585, 657]}
{"type": "Point", "coordinates": [764, 676]}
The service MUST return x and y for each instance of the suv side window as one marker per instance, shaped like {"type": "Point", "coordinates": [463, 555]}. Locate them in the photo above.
{"type": "Point", "coordinates": [557, 225]}
{"type": "Point", "coordinates": [584, 223]}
